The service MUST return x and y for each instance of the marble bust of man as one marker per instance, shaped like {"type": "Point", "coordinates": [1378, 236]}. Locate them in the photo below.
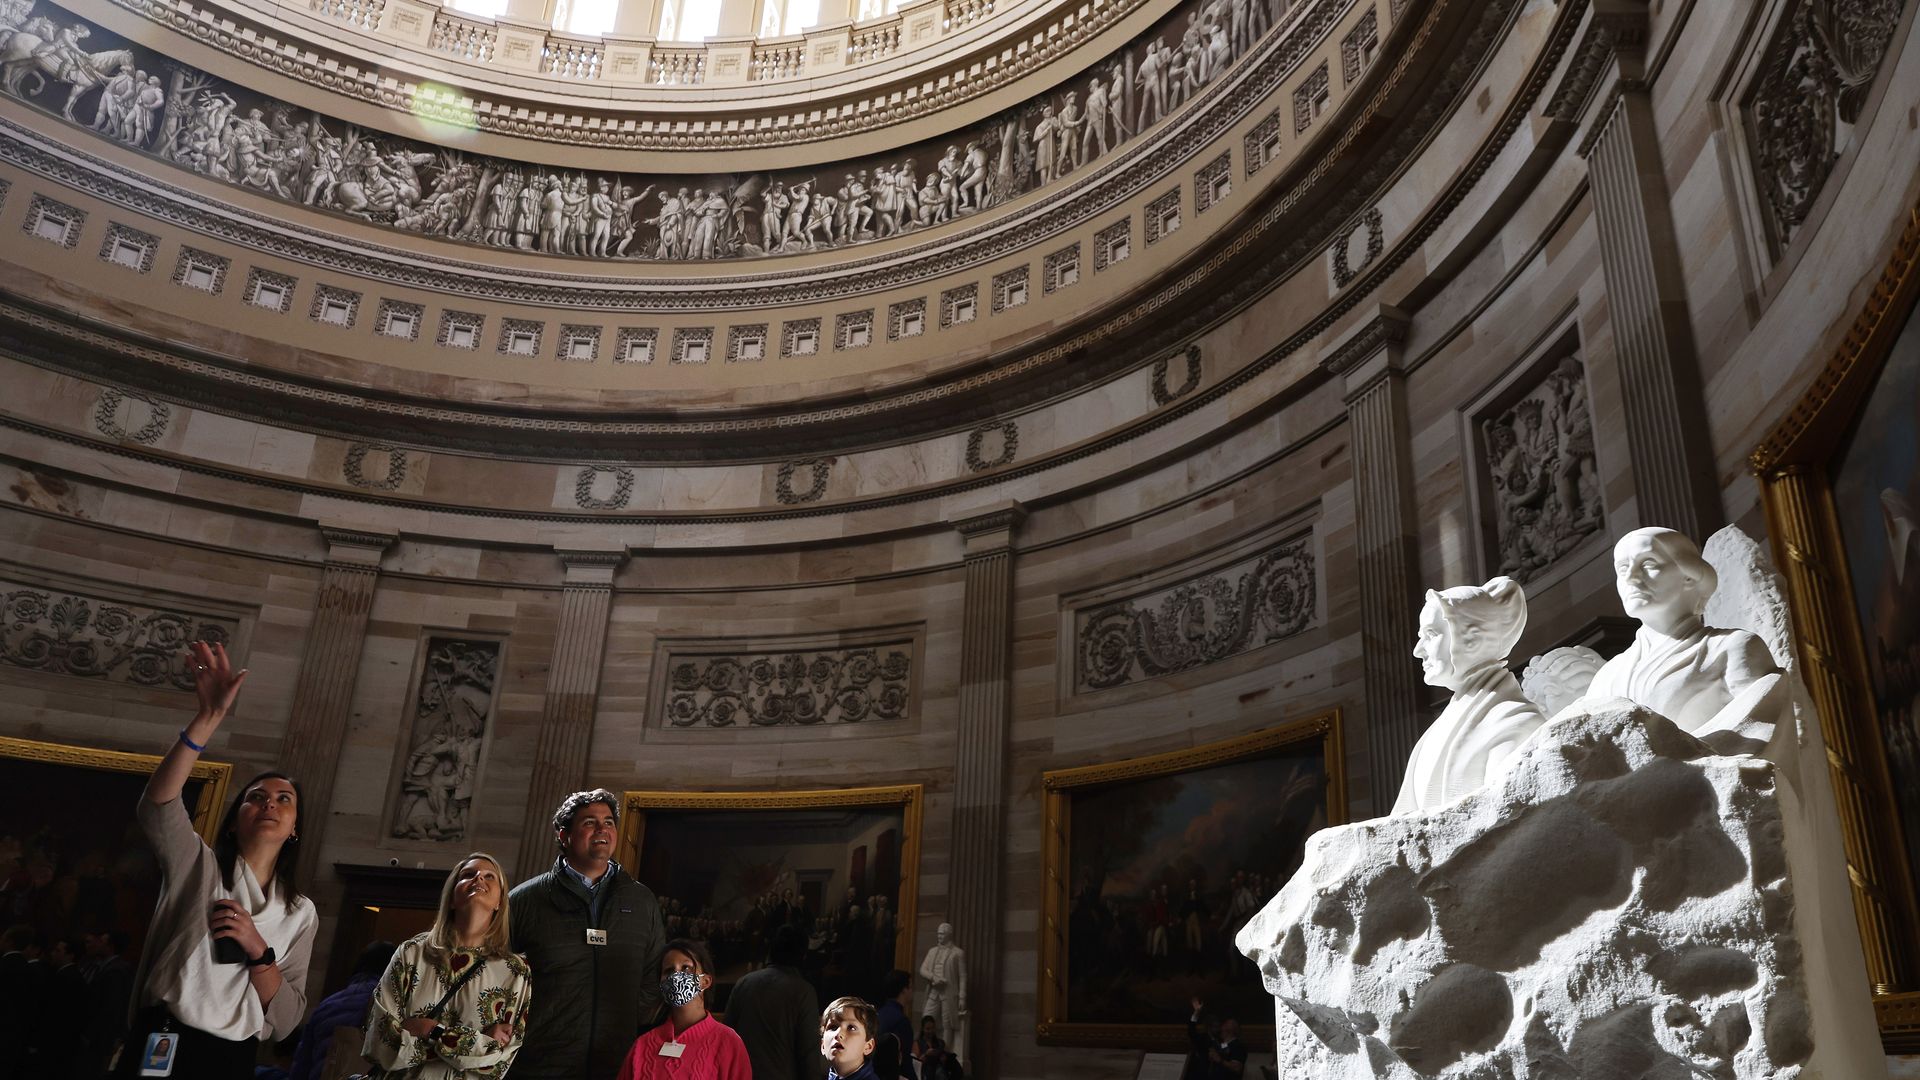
{"type": "Point", "coordinates": [1465, 636]}
{"type": "Point", "coordinates": [1713, 683]}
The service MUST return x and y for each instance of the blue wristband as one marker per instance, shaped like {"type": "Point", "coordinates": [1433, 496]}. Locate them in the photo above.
{"type": "Point", "coordinates": [189, 743]}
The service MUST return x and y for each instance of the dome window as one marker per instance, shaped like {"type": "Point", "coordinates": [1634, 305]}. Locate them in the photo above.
{"type": "Point", "coordinates": [266, 289]}
{"type": "Point", "coordinates": [130, 248]}
{"type": "Point", "coordinates": [520, 337]}
{"type": "Point", "coordinates": [636, 345]}
{"type": "Point", "coordinates": [399, 320]}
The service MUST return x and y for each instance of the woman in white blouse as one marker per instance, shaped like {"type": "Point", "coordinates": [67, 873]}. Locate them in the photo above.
{"type": "Point", "coordinates": [453, 1003]}
{"type": "Point", "coordinates": [226, 954]}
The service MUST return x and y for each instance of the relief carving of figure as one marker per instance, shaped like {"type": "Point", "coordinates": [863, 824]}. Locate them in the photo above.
{"type": "Point", "coordinates": [455, 698]}
{"type": "Point", "coordinates": [1465, 635]}
{"type": "Point", "coordinates": [1541, 472]}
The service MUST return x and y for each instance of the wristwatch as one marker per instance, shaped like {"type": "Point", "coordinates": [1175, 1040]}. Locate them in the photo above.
{"type": "Point", "coordinates": [263, 959]}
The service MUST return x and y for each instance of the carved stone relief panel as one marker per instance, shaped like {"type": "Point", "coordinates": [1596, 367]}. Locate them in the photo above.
{"type": "Point", "coordinates": [1539, 484]}
{"type": "Point", "coordinates": [1814, 78]}
{"type": "Point", "coordinates": [1257, 599]}
{"type": "Point", "coordinates": [89, 633]}
{"type": "Point", "coordinates": [800, 681]}
{"type": "Point", "coordinates": [452, 710]}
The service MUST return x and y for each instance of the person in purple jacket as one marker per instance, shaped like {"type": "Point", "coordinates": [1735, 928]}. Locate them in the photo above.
{"type": "Point", "coordinates": [346, 1007]}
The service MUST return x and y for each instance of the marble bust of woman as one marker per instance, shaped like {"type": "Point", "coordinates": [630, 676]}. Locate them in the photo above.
{"type": "Point", "coordinates": [1715, 684]}
{"type": "Point", "coordinates": [1465, 636]}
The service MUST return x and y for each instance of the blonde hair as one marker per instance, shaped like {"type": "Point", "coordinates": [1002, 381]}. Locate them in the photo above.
{"type": "Point", "coordinates": [446, 937]}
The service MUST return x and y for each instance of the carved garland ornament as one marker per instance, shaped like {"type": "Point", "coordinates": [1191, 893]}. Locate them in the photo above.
{"type": "Point", "coordinates": [783, 483]}
{"type": "Point", "coordinates": [1254, 602]}
{"type": "Point", "coordinates": [68, 633]}
{"type": "Point", "coordinates": [1166, 395]}
{"type": "Point", "coordinates": [106, 417]}
{"type": "Point", "coordinates": [1343, 271]}
{"type": "Point", "coordinates": [354, 467]}
{"type": "Point", "coordinates": [823, 686]}
{"type": "Point", "coordinates": [1009, 445]}
{"type": "Point", "coordinates": [583, 495]}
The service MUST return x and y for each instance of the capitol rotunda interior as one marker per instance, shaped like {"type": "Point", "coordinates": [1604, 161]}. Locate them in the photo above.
{"type": "Point", "coordinates": [1021, 475]}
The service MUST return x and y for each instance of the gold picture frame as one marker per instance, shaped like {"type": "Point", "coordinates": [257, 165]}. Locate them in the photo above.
{"type": "Point", "coordinates": [907, 798]}
{"type": "Point", "coordinates": [1056, 1027]}
{"type": "Point", "coordinates": [216, 775]}
{"type": "Point", "coordinates": [1795, 468]}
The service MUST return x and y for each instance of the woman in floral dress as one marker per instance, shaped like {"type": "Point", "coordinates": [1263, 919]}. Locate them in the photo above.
{"type": "Point", "coordinates": [453, 1003]}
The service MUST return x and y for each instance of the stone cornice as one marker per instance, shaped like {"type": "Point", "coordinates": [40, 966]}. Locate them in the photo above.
{"type": "Point", "coordinates": [1388, 327]}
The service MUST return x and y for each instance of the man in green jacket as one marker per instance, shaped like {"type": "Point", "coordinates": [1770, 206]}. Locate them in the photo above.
{"type": "Point", "coordinates": [593, 937]}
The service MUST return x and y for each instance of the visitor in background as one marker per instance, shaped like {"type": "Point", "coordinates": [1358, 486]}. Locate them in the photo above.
{"type": "Point", "coordinates": [1227, 1057]}
{"type": "Point", "coordinates": [346, 1007]}
{"type": "Point", "coordinates": [226, 954]}
{"type": "Point", "coordinates": [109, 993]}
{"type": "Point", "coordinates": [453, 1001]}
{"type": "Point", "coordinates": [592, 936]}
{"type": "Point", "coordinates": [777, 1013]}
{"type": "Point", "coordinates": [846, 1039]}
{"type": "Point", "coordinates": [928, 1048]}
{"type": "Point", "coordinates": [896, 990]}
{"type": "Point", "coordinates": [689, 1044]}
{"type": "Point", "coordinates": [62, 1013]}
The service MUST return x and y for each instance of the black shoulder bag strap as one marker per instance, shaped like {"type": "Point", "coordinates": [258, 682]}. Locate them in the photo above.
{"type": "Point", "coordinates": [460, 981]}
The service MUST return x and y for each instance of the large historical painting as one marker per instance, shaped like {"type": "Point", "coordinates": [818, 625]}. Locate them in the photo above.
{"type": "Point", "coordinates": [730, 869]}
{"type": "Point", "coordinates": [1157, 862]}
{"type": "Point", "coordinates": [68, 873]}
{"type": "Point", "coordinates": [1876, 490]}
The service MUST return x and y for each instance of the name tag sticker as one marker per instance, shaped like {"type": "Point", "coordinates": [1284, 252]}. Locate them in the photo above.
{"type": "Point", "coordinates": [158, 1059]}
{"type": "Point", "coordinates": [596, 937]}
{"type": "Point", "coordinates": [672, 1049]}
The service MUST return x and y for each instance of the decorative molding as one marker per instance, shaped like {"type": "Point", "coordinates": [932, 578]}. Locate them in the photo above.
{"type": "Point", "coordinates": [761, 683]}
{"type": "Point", "coordinates": [1253, 602]}
{"type": "Point", "coordinates": [960, 304]}
{"type": "Point", "coordinates": [1343, 272]}
{"type": "Point", "coordinates": [399, 314]}
{"type": "Point", "coordinates": [214, 267]}
{"type": "Point", "coordinates": [1011, 288]}
{"type": "Point", "coordinates": [740, 337]}
{"type": "Point", "coordinates": [460, 329]}
{"type": "Point", "coordinates": [513, 330]}
{"type": "Point", "coordinates": [906, 319]}
{"type": "Point", "coordinates": [583, 482]}
{"type": "Point", "coordinates": [692, 345]}
{"type": "Point", "coordinates": [1306, 97]}
{"type": "Point", "coordinates": [1212, 182]}
{"type": "Point", "coordinates": [1009, 446]}
{"type": "Point", "coordinates": [1163, 216]}
{"type": "Point", "coordinates": [1388, 327]}
{"type": "Point", "coordinates": [353, 467]}
{"type": "Point", "coordinates": [1167, 395]}
{"type": "Point", "coordinates": [453, 709]}
{"type": "Point", "coordinates": [574, 334]}
{"type": "Point", "coordinates": [1061, 269]}
{"type": "Point", "coordinates": [646, 338]}
{"type": "Point", "coordinates": [324, 293]}
{"type": "Point", "coordinates": [69, 632]}
{"type": "Point", "coordinates": [117, 234]}
{"type": "Point", "coordinates": [106, 417]}
{"type": "Point", "coordinates": [1262, 144]}
{"type": "Point", "coordinates": [1113, 244]}
{"type": "Point", "coordinates": [1004, 519]}
{"type": "Point", "coordinates": [260, 280]}
{"type": "Point", "coordinates": [57, 216]}
{"type": "Point", "coordinates": [820, 468]}
{"type": "Point", "coordinates": [792, 335]}
{"type": "Point", "coordinates": [853, 329]}
{"type": "Point", "coordinates": [1357, 49]}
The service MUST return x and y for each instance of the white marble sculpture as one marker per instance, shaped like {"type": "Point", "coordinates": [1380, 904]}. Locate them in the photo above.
{"type": "Point", "coordinates": [1559, 677]}
{"type": "Point", "coordinates": [1464, 638]}
{"type": "Point", "coordinates": [1717, 683]}
{"type": "Point", "coordinates": [945, 969]}
{"type": "Point", "coordinates": [1624, 898]}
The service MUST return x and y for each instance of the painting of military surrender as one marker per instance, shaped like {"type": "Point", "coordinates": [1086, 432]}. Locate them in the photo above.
{"type": "Point", "coordinates": [733, 878]}
{"type": "Point", "coordinates": [71, 67]}
{"type": "Point", "coordinates": [1166, 869]}
{"type": "Point", "coordinates": [1876, 490]}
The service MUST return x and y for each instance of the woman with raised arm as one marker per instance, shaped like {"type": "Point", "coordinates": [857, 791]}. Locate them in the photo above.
{"type": "Point", "coordinates": [453, 1003]}
{"type": "Point", "coordinates": [225, 961]}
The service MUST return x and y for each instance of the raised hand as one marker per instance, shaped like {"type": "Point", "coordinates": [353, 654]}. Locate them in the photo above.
{"type": "Point", "coordinates": [214, 680]}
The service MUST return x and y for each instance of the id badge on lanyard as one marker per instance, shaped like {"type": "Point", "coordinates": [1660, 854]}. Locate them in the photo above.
{"type": "Point", "coordinates": [596, 937]}
{"type": "Point", "coordinates": [157, 1060]}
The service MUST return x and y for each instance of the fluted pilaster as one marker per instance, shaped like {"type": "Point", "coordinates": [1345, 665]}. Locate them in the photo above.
{"type": "Point", "coordinates": [1386, 542]}
{"type": "Point", "coordinates": [573, 692]}
{"type": "Point", "coordinates": [980, 771]}
{"type": "Point", "coordinates": [329, 668]}
{"type": "Point", "coordinates": [1663, 405]}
